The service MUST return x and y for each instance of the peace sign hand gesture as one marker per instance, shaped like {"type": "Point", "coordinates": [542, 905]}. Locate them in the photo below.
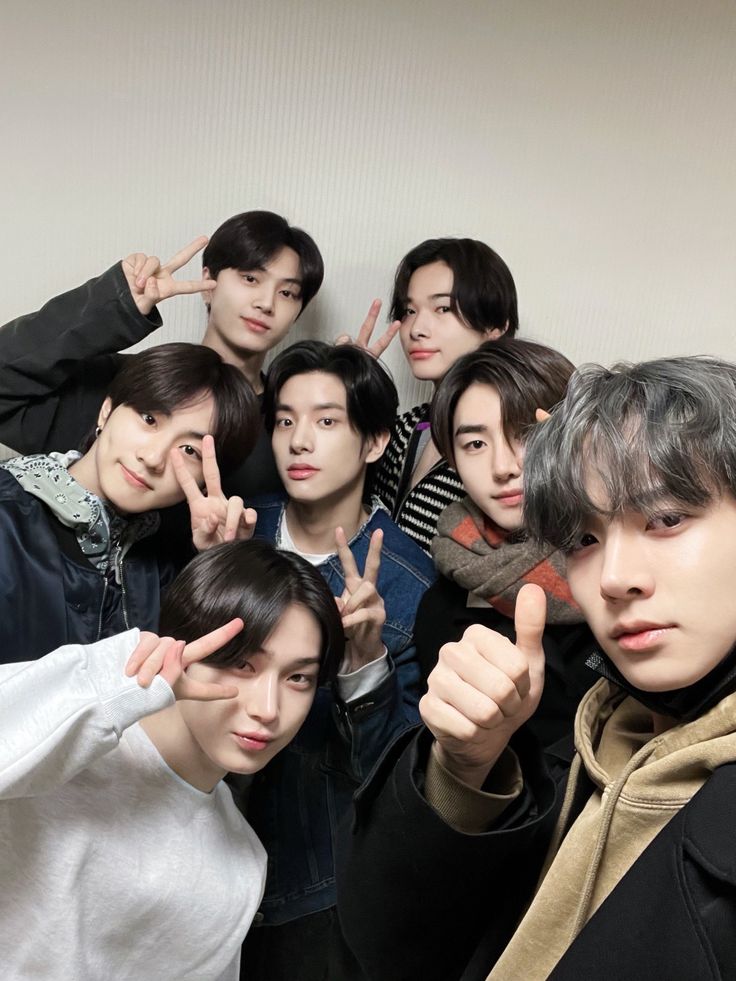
{"type": "Point", "coordinates": [170, 658]}
{"type": "Point", "coordinates": [361, 607]}
{"type": "Point", "coordinates": [363, 340]}
{"type": "Point", "coordinates": [150, 282]}
{"type": "Point", "coordinates": [215, 518]}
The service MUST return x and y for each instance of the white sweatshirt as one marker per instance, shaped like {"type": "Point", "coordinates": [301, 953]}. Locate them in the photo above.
{"type": "Point", "coordinates": [111, 865]}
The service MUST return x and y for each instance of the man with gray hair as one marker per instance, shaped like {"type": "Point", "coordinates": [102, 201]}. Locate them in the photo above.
{"type": "Point", "coordinates": [614, 857]}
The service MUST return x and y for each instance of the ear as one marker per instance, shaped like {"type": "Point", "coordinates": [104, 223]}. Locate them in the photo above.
{"type": "Point", "coordinates": [207, 294]}
{"type": "Point", "coordinates": [104, 413]}
{"type": "Point", "coordinates": [376, 445]}
{"type": "Point", "coordinates": [493, 333]}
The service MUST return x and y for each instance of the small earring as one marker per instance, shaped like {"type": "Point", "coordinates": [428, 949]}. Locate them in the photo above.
{"type": "Point", "coordinates": [98, 430]}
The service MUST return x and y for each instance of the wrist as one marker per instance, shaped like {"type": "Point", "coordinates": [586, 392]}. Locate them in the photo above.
{"type": "Point", "coordinates": [470, 772]}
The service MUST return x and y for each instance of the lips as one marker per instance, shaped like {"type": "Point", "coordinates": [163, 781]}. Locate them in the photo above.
{"type": "Point", "coordinates": [420, 354]}
{"type": "Point", "coordinates": [301, 471]}
{"type": "Point", "coordinates": [135, 479]}
{"type": "Point", "coordinates": [253, 740]}
{"type": "Point", "coordinates": [510, 499]}
{"type": "Point", "coordinates": [641, 635]}
{"type": "Point", "coordinates": [258, 326]}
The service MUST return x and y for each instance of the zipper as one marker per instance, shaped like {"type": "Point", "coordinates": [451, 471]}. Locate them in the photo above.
{"type": "Point", "coordinates": [120, 578]}
{"type": "Point", "coordinates": [102, 606]}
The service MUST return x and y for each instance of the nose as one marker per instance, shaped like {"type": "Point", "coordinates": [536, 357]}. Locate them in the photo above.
{"type": "Point", "coordinates": [625, 572]}
{"type": "Point", "coordinates": [261, 698]}
{"type": "Point", "coordinates": [420, 325]}
{"type": "Point", "coordinates": [264, 298]}
{"type": "Point", "coordinates": [505, 461]}
{"type": "Point", "coordinates": [301, 437]}
{"type": "Point", "coordinates": [153, 454]}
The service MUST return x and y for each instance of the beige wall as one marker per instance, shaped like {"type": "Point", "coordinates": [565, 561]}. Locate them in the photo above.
{"type": "Point", "coordinates": [592, 143]}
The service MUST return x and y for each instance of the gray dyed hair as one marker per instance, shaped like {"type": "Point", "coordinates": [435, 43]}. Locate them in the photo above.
{"type": "Point", "coordinates": [660, 431]}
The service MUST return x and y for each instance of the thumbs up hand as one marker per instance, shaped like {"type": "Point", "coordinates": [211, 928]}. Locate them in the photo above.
{"type": "Point", "coordinates": [483, 688]}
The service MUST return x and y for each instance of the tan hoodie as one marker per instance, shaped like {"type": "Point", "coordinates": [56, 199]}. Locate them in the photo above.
{"type": "Point", "coordinates": [641, 782]}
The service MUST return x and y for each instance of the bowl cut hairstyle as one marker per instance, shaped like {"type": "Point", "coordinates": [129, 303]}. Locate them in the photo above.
{"type": "Point", "coordinates": [527, 376]}
{"type": "Point", "coordinates": [250, 240]}
{"type": "Point", "coordinates": [170, 376]}
{"type": "Point", "coordinates": [483, 289]}
{"type": "Point", "coordinates": [371, 397]}
{"type": "Point", "coordinates": [257, 582]}
{"type": "Point", "coordinates": [659, 434]}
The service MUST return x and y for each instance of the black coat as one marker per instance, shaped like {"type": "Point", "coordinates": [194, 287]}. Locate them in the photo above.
{"type": "Point", "coordinates": [419, 901]}
{"type": "Point", "coordinates": [443, 616]}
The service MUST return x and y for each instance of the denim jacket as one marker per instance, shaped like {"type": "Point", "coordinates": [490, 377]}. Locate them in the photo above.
{"type": "Point", "coordinates": [295, 803]}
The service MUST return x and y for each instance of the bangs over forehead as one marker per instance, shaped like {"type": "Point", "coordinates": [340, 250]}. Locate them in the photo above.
{"type": "Point", "coordinates": [641, 435]}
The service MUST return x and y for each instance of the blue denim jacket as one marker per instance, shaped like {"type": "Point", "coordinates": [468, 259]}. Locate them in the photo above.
{"type": "Point", "coordinates": [295, 803]}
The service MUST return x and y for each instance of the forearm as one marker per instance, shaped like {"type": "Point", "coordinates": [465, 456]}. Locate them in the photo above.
{"type": "Point", "coordinates": [67, 709]}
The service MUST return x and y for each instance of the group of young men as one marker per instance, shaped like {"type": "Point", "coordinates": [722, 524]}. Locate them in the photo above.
{"type": "Point", "coordinates": [452, 838]}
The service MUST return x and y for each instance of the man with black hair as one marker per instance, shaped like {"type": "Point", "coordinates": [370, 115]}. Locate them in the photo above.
{"type": "Point", "coordinates": [56, 364]}
{"type": "Point", "coordinates": [474, 856]}
{"type": "Point", "coordinates": [329, 410]}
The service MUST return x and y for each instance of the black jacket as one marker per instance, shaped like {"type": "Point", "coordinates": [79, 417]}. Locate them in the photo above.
{"type": "Point", "coordinates": [56, 366]}
{"type": "Point", "coordinates": [51, 595]}
{"type": "Point", "coordinates": [419, 901]}
{"type": "Point", "coordinates": [443, 616]}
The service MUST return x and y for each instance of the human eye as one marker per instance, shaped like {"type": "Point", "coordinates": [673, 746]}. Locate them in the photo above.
{"type": "Point", "coordinates": [443, 309]}
{"type": "Point", "coordinates": [289, 294]}
{"type": "Point", "coordinates": [148, 418]}
{"type": "Point", "coordinates": [585, 541]}
{"type": "Point", "coordinates": [283, 422]}
{"type": "Point", "coordinates": [248, 277]}
{"type": "Point", "coordinates": [303, 681]}
{"type": "Point", "coordinates": [192, 451]}
{"type": "Point", "coordinates": [327, 422]}
{"type": "Point", "coordinates": [409, 311]}
{"type": "Point", "coordinates": [666, 521]}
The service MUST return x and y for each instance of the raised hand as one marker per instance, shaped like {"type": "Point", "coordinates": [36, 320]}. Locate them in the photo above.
{"type": "Point", "coordinates": [366, 332]}
{"type": "Point", "coordinates": [484, 687]}
{"type": "Point", "coordinates": [361, 606]}
{"type": "Point", "coordinates": [170, 658]}
{"type": "Point", "coordinates": [215, 518]}
{"type": "Point", "coordinates": [150, 282]}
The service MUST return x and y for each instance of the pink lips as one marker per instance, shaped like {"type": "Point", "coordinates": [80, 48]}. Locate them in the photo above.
{"type": "Point", "coordinates": [299, 472]}
{"type": "Point", "coordinates": [133, 478]}
{"type": "Point", "coordinates": [256, 325]}
{"type": "Point", "coordinates": [419, 354]}
{"type": "Point", "coordinates": [640, 636]}
{"type": "Point", "coordinates": [252, 740]}
{"type": "Point", "coordinates": [509, 500]}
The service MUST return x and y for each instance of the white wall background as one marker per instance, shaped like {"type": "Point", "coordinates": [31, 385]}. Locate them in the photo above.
{"type": "Point", "coordinates": [592, 143]}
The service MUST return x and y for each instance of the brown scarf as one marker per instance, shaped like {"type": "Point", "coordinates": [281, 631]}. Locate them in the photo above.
{"type": "Point", "coordinates": [486, 560]}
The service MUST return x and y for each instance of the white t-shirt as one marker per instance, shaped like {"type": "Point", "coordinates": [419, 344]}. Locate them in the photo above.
{"type": "Point", "coordinates": [111, 865]}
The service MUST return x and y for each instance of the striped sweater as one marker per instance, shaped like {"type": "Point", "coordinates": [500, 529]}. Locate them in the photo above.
{"type": "Point", "coordinates": [417, 511]}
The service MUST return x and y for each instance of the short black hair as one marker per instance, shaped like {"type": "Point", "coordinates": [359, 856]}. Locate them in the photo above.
{"type": "Point", "coordinates": [250, 241]}
{"type": "Point", "coordinates": [170, 376]}
{"type": "Point", "coordinates": [527, 376]}
{"type": "Point", "coordinates": [483, 289]}
{"type": "Point", "coordinates": [257, 582]}
{"type": "Point", "coordinates": [371, 397]}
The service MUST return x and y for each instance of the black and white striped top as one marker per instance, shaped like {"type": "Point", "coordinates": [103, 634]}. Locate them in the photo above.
{"type": "Point", "coordinates": [417, 511]}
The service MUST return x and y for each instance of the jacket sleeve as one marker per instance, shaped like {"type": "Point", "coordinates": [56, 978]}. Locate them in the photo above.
{"type": "Point", "coordinates": [66, 710]}
{"type": "Point", "coordinates": [418, 898]}
{"type": "Point", "coordinates": [55, 364]}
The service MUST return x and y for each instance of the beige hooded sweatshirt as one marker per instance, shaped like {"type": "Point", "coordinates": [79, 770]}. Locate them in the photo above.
{"type": "Point", "coordinates": [640, 782]}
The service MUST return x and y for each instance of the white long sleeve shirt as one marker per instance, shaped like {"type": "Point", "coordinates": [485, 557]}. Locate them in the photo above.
{"type": "Point", "coordinates": [111, 865]}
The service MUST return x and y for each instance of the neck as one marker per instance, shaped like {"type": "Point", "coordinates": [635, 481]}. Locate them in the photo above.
{"type": "Point", "coordinates": [312, 524]}
{"type": "Point", "coordinates": [171, 736]}
{"type": "Point", "coordinates": [250, 363]}
{"type": "Point", "coordinates": [85, 472]}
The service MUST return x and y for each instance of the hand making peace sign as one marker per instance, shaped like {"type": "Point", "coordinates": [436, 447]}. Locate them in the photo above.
{"type": "Point", "coordinates": [361, 607]}
{"type": "Point", "coordinates": [150, 282]}
{"type": "Point", "coordinates": [366, 331]}
{"type": "Point", "coordinates": [215, 518]}
{"type": "Point", "coordinates": [170, 658]}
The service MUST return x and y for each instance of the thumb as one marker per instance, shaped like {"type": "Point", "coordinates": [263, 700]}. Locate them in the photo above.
{"type": "Point", "coordinates": [530, 620]}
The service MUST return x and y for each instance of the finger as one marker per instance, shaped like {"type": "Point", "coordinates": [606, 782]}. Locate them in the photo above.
{"type": "Point", "coordinates": [234, 513]}
{"type": "Point", "coordinates": [476, 692]}
{"type": "Point", "coordinates": [210, 470]}
{"type": "Point", "coordinates": [379, 346]}
{"type": "Point", "coordinates": [369, 324]}
{"type": "Point", "coordinates": [372, 615]}
{"type": "Point", "coordinates": [182, 257]}
{"type": "Point", "coordinates": [343, 339]}
{"type": "Point", "coordinates": [541, 415]}
{"type": "Point", "coordinates": [446, 722]}
{"type": "Point", "coordinates": [143, 649]}
{"type": "Point", "coordinates": [149, 268]}
{"type": "Point", "coordinates": [347, 559]}
{"type": "Point", "coordinates": [249, 521]}
{"type": "Point", "coordinates": [373, 559]}
{"type": "Point", "coordinates": [203, 691]}
{"type": "Point", "coordinates": [364, 595]}
{"type": "Point", "coordinates": [211, 642]}
{"type": "Point", "coordinates": [530, 620]}
{"type": "Point", "coordinates": [185, 477]}
{"type": "Point", "coordinates": [156, 660]}
{"type": "Point", "coordinates": [178, 287]}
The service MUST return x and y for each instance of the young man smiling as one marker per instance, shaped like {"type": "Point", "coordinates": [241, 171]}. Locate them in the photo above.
{"type": "Point", "coordinates": [620, 864]}
{"type": "Point", "coordinates": [330, 410]}
{"type": "Point", "coordinates": [56, 365]}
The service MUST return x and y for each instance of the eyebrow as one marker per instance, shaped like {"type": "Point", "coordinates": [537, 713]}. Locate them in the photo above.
{"type": "Point", "coordinates": [282, 407]}
{"type": "Point", "coordinates": [471, 428]}
{"type": "Point", "coordinates": [434, 296]}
